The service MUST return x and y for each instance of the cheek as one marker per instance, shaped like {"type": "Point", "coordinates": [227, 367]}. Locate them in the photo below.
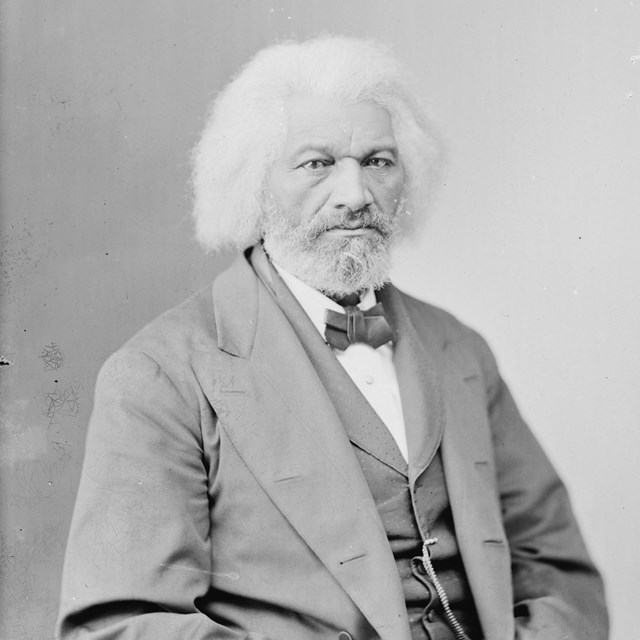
{"type": "Point", "coordinates": [301, 204]}
{"type": "Point", "coordinates": [399, 182]}
{"type": "Point", "coordinates": [286, 194]}
{"type": "Point", "coordinates": [311, 198]}
{"type": "Point", "coordinates": [391, 190]}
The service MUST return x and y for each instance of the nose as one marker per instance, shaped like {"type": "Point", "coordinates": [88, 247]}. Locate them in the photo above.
{"type": "Point", "coordinates": [350, 186]}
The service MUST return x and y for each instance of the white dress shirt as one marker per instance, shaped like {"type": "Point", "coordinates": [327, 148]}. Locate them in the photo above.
{"type": "Point", "coordinates": [372, 370]}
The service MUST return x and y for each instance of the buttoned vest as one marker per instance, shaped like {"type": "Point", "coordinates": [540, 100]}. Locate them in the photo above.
{"type": "Point", "coordinates": [410, 510]}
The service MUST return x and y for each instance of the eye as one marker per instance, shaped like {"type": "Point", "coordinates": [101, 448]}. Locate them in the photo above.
{"type": "Point", "coordinates": [378, 162]}
{"type": "Point", "coordinates": [316, 164]}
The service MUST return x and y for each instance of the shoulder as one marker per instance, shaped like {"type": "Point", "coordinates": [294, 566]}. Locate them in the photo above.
{"type": "Point", "coordinates": [183, 339]}
{"type": "Point", "coordinates": [163, 354]}
{"type": "Point", "coordinates": [444, 330]}
{"type": "Point", "coordinates": [446, 325]}
{"type": "Point", "coordinates": [190, 329]}
{"type": "Point", "coordinates": [182, 344]}
{"type": "Point", "coordinates": [180, 332]}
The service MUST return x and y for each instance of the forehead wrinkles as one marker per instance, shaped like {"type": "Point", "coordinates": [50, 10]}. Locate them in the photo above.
{"type": "Point", "coordinates": [321, 123]}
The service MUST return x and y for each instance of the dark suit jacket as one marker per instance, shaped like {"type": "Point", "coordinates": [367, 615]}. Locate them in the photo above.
{"type": "Point", "coordinates": [221, 498]}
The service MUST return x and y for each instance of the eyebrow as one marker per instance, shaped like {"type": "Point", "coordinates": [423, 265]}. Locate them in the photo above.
{"type": "Point", "coordinates": [326, 149]}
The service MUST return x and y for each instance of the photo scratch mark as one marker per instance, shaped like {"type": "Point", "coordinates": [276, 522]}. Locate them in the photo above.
{"type": "Point", "coordinates": [64, 402]}
{"type": "Point", "coordinates": [226, 384]}
{"type": "Point", "coordinates": [21, 253]}
{"type": "Point", "coordinates": [32, 484]}
{"type": "Point", "coordinates": [52, 357]}
{"type": "Point", "coordinates": [221, 407]}
{"type": "Point", "coordinates": [62, 446]}
{"type": "Point", "coordinates": [40, 547]}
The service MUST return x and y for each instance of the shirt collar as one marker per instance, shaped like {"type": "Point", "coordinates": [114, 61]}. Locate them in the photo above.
{"type": "Point", "coordinates": [315, 303]}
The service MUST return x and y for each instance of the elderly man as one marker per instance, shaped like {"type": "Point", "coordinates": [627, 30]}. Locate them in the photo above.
{"type": "Point", "coordinates": [303, 451]}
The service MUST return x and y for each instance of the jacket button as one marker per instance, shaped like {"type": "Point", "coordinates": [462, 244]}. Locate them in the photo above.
{"type": "Point", "coordinates": [345, 635]}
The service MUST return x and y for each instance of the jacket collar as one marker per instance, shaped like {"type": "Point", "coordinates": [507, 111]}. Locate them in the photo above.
{"type": "Point", "coordinates": [235, 293]}
{"type": "Point", "coordinates": [235, 298]}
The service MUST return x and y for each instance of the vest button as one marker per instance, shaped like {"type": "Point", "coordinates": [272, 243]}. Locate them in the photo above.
{"type": "Point", "coordinates": [345, 635]}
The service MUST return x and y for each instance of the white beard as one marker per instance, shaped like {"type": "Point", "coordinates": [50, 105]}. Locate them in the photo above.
{"type": "Point", "coordinates": [334, 265]}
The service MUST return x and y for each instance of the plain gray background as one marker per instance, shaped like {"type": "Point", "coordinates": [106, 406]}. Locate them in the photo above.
{"type": "Point", "coordinates": [533, 239]}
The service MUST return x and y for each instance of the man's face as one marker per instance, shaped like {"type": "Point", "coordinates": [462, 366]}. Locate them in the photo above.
{"type": "Point", "coordinates": [333, 196]}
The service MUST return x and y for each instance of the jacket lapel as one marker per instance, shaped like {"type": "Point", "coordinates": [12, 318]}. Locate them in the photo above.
{"type": "Point", "coordinates": [419, 386]}
{"type": "Point", "coordinates": [454, 407]}
{"type": "Point", "coordinates": [289, 434]}
{"type": "Point", "coordinates": [362, 424]}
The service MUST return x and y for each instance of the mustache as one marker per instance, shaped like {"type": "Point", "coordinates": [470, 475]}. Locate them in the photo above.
{"type": "Point", "coordinates": [370, 217]}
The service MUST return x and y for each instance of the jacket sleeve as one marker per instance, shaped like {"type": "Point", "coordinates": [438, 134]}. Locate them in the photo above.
{"type": "Point", "coordinates": [557, 592]}
{"type": "Point", "coordinates": [138, 555]}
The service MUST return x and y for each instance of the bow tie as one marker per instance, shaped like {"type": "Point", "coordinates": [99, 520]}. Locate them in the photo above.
{"type": "Point", "coordinates": [354, 325]}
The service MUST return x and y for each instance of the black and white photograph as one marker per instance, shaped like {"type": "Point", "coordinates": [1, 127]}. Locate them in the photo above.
{"type": "Point", "coordinates": [319, 320]}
